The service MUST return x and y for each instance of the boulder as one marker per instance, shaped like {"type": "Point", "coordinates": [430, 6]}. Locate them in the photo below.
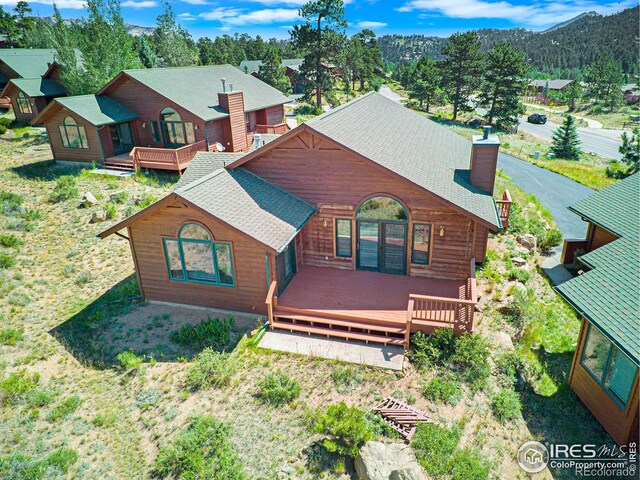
{"type": "Point", "coordinates": [99, 216]}
{"type": "Point", "coordinates": [528, 241]}
{"type": "Point", "coordinates": [136, 199]}
{"type": "Point", "coordinates": [88, 200]}
{"type": "Point", "coordinates": [521, 288]}
{"type": "Point", "coordinates": [518, 262]}
{"type": "Point", "coordinates": [503, 339]}
{"type": "Point", "coordinates": [381, 461]}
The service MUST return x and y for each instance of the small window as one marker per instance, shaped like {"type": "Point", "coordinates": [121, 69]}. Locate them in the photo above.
{"type": "Point", "coordinates": [155, 131]}
{"type": "Point", "coordinates": [608, 366]}
{"type": "Point", "coordinates": [72, 134]}
{"type": "Point", "coordinates": [343, 238]}
{"type": "Point", "coordinates": [224, 263]}
{"type": "Point", "coordinates": [198, 261]}
{"type": "Point", "coordinates": [421, 243]}
{"type": "Point", "coordinates": [174, 263]}
{"type": "Point", "coordinates": [24, 106]}
{"type": "Point", "coordinates": [189, 133]}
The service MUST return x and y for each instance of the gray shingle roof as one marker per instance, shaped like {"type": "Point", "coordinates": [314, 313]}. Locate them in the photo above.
{"type": "Point", "coordinates": [39, 87]}
{"type": "Point", "coordinates": [28, 62]}
{"type": "Point", "coordinates": [250, 204]}
{"type": "Point", "coordinates": [250, 66]}
{"type": "Point", "coordinates": [196, 88]}
{"type": "Point", "coordinates": [204, 163]}
{"type": "Point", "coordinates": [410, 145]}
{"type": "Point", "coordinates": [608, 295]}
{"type": "Point", "coordinates": [552, 84]}
{"type": "Point", "coordinates": [97, 109]}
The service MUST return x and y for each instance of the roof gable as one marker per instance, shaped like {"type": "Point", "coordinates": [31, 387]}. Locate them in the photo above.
{"type": "Point", "coordinates": [35, 87]}
{"type": "Point", "coordinates": [96, 109]}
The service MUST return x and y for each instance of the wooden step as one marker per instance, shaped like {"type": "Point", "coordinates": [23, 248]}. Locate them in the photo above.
{"type": "Point", "coordinates": [338, 316]}
{"type": "Point", "coordinates": [360, 324]}
{"type": "Point", "coordinates": [432, 323]}
{"type": "Point", "coordinates": [293, 327]}
{"type": "Point", "coordinates": [118, 166]}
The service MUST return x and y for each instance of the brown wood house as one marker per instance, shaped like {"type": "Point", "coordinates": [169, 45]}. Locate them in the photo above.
{"type": "Point", "coordinates": [22, 63]}
{"type": "Point", "coordinates": [364, 223]}
{"type": "Point", "coordinates": [158, 118]}
{"type": "Point", "coordinates": [605, 366]}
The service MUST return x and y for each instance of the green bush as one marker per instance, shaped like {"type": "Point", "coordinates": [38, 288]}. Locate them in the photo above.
{"type": "Point", "coordinates": [64, 409]}
{"type": "Point", "coordinates": [506, 405]}
{"type": "Point", "coordinates": [63, 458]}
{"type": "Point", "coordinates": [111, 211]}
{"type": "Point", "coordinates": [211, 332]}
{"type": "Point", "coordinates": [442, 389]}
{"type": "Point", "coordinates": [378, 426]}
{"type": "Point", "coordinates": [519, 274]}
{"type": "Point", "coordinates": [5, 121]}
{"type": "Point", "coordinates": [10, 336]}
{"type": "Point", "coordinates": [346, 426]}
{"type": "Point", "coordinates": [18, 384]}
{"type": "Point", "coordinates": [467, 465]}
{"type": "Point", "coordinates": [507, 366]}
{"type": "Point", "coordinates": [23, 467]}
{"type": "Point", "coordinates": [277, 388]}
{"type": "Point", "coordinates": [210, 369]}
{"type": "Point", "coordinates": [147, 199]}
{"type": "Point", "coordinates": [309, 110]}
{"type": "Point", "coordinates": [201, 451]}
{"type": "Point", "coordinates": [128, 360]}
{"type": "Point", "coordinates": [10, 197]}
{"type": "Point", "coordinates": [119, 197]}
{"type": "Point", "coordinates": [434, 447]}
{"type": "Point", "coordinates": [346, 378]}
{"type": "Point", "coordinates": [6, 261]}
{"type": "Point", "coordinates": [65, 189]}
{"type": "Point", "coordinates": [40, 398]}
{"type": "Point", "coordinates": [549, 238]}
{"type": "Point", "coordinates": [471, 359]}
{"type": "Point", "coordinates": [432, 349]}
{"type": "Point", "coordinates": [105, 420]}
{"type": "Point", "coordinates": [148, 398]}
{"type": "Point", "coordinates": [9, 241]}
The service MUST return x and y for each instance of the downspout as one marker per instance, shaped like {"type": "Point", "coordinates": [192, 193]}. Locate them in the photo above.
{"type": "Point", "coordinates": [206, 135]}
{"type": "Point", "coordinates": [100, 145]}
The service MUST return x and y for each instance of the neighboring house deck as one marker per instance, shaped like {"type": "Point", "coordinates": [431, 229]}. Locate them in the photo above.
{"type": "Point", "coordinates": [365, 223]}
{"type": "Point", "coordinates": [159, 118]}
{"type": "Point", "coordinates": [605, 367]}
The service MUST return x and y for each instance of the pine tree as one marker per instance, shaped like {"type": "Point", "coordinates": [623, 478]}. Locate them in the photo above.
{"type": "Point", "coordinates": [425, 83]}
{"type": "Point", "coordinates": [504, 78]}
{"type": "Point", "coordinates": [24, 23]}
{"type": "Point", "coordinates": [147, 55]}
{"type": "Point", "coordinates": [462, 66]}
{"type": "Point", "coordinates": [604, 78]}
{"type": "Point", "coordinates": [630, 150]}
{"type": "Point", "coordinates": [272, 72]}
{"type": "Point", "coordinates": [174, 46]}
{"type": "Point", "coordinates": [566, 143]}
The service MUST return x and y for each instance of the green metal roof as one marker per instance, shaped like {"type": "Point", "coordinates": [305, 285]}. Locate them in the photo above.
{"type": "Point", "coordinates": [410, 145]}
{"type": "Point", "coordinates": [28, 62]}
{"type": "Point", "coordinates": [196, 88]}
{"type": "Point", "coordinates": [608, 295]}
{"type": "Point", "coordinates": [97, 109]}
{"type": "Point", "coordinates": [250, 204]}
{"type": "Point", "coordinates": [39, 87]}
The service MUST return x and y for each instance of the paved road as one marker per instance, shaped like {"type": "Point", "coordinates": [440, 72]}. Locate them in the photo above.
{"type": "Point", "coordinates": [387, 92]}
{"type": "Point", "coordinates": [554, 191]}
{"type": "Point", "coordinates": [593, 140]}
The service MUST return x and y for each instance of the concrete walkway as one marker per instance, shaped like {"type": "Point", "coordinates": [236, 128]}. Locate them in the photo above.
{"type": "Point", "coordinates": [390, 94]}
{"type": "Point", "coordinates": [374, 355]}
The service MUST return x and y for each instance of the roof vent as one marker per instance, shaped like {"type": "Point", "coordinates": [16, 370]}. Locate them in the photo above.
{"type": "Point", "coordinates": [231, 87]}
{"type": "Point", "coordinates": [485, 132]}
{"type": "Point", "coordinates": [257, 140]}
{"type": "Point", "coordinates": [224, 85]}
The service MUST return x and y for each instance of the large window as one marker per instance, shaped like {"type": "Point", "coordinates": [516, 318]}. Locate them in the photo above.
{"type": "Point", "coordinates": [343, 237]}
{"type": "Point", "coordinates": [194, 257]}
{"type": "Point", "coordinates": [72, 134]}
{"type": "Point", "coordinates": [175, 132]}
{"type": "Point", "coordinates": [608, 366]}
{"type": "Point", "coordinates": [23, 103]}
{"type": "Point", "coordinates": [421, 244]}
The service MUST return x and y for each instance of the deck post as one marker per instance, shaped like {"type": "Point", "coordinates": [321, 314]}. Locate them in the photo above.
{"type": "Point", "coordinates": [407, 333]}
{"type": "Point", "coordinates": [272, 302]}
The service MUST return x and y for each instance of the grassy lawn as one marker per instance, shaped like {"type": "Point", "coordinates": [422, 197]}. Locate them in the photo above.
{"type": "Point", "coordinates": [611, 120]}
{"type": "Point", "coordinates": [69, 308]}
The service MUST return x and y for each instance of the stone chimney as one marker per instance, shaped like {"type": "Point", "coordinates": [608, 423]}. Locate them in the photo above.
{"type": "Point", "coordinates": [484, 158]}
{"type": "Point", "coordinates": [235, 128]}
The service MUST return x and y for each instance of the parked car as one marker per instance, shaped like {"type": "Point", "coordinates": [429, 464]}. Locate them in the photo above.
{"type": "Point", "coordinates": [538, 118]}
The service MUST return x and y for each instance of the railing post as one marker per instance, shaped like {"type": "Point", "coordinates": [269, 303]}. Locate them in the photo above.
{"type": "Point", "coordinates": [272, 302]}
{"type": "Point", "coordinates": [407, 333]}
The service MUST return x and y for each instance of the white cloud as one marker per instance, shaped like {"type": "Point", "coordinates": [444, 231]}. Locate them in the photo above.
{"type": "Point", "coordinates": [196, 2]}
{"type": "Point", "coordinates": [369, 24]}
{"type": "Point", "coordinates": [72, 4]}
{"type": "Point", "coordinates": [186, 16]}
{"type": "Point", "coordinates": [239, 16]}
{"type": "Point", "coordinates": [535, 14]}
{"type": "Point", "coordinates": [135, 4]}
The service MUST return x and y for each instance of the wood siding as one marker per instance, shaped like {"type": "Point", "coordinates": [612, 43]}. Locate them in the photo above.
{"type": "Point", "coordinates": [621, 424]}
{"type": "Point", "coordinates": [146, 236]}
{"type": "Point", "coordinates": [484, 159]}
{"type": "Point", "coordinates": [599, 237]}
{"type": "Point", "coordinates": [274, 115]}
{"type": "Point", "coordinates": [215, 133]}
{"type": "Point", "coordinates": [481, 240]}
{"type": "Point", "coordinates": [235, 126]}
{"type": "Point", "coordinates": [7, 72]}
{"type": "Point", "coordinates": [91, 154]}
{"type": "Point", "coordinates": [337, 182]}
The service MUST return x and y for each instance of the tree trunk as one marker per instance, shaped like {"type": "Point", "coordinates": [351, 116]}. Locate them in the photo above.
{"type": "Point", "coordinates": [361, 84]}
{"type": "Point", "coordinates": [319, 64]}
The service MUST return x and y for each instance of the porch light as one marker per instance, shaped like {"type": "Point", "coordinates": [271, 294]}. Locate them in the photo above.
{"type": "Point", "coordinates": [442, 230]}
{"type": "Point", "coordinates": [144, 124]}
{"type": "Point", "coordinates": [325, 223]}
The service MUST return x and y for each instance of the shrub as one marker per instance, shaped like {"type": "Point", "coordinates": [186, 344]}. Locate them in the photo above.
{"type": "Point", "coordinates": [519, 274]}
{"type": "Point", "coordinates": [210, 369]}
{"type": "Point", "coordinates": [148, 398]}
{"type": "Point", "coordinates": [110, 210]}
{"type": "Point", "coordinates": [441, 389]}
{"type": "Point", "coordinates": [119, 197]}
{"type": "Point", "coordinates": [467, 465]}
{"type": "Point", "coordinates": [128, 360]}
{"type": "Point", "coordinates": [6, 261]}
{"type": "Point", "coordinates": [211, 332]}
{"type": "Point", "coordinates": [201, 451]}
{"type": "Point", "coordinates": [549, 239]}
{"type": "Point", "coordinates": [346, 378]}
{"type": "Point", "coordinates": [507, 366]}
{"type": "Point", "coordinates": [63, 458]}
{"type": "Point", "coordinates": [10, 197]}
{"type": "Point", "coordinates": [64, 409]}
{"type": "Point", "coordinates": [277, 388]}
{"type": "Point", "coordinates": [105, 420]}
{"type": "Point", "coordinates": [5, 121]}
{"type": "Point", "coordinates": [83, 278]}
{"type": "Point", "coordinates": [10, 336]}
{"type": "Point", "coordinates": [147, 199]}
{"type": "Point", "coordinates": [431, 349]}
{"type": "Point", "coordinates": [40, 398]}
{"type": "Point", "coordinates": [10, 241]}
{"type": "Point", "coordinates": [17, 385]}
{"type": "Point", "coordinates": [65, 189]}
{"type": "Point", "coordinates": [309, 110]}
{"type": "Point", "coordinates": [23, 467]}
{"type": "Point", "coordinates": [434, 447]}
{"type": "Point", "coordinates": [506, 405]}
{"type": "Point", "coordinates": [471, 359]}
{"type": "Point", "coordinates": [346, 426]}
{"type": "Point", "coordinates": [378, 426]}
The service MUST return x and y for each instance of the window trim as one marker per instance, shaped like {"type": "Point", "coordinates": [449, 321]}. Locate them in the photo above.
{"type": "Point", "coordinates": [335, 238]}
{"type": "Point", "coordinates": [20, 98]}
{"type": "Point", "coordinates": [430, 245]}
{"type": "Point", "coordinates": [63, 128]}
{"type": "Point", "coordinates": [156, 135]}
{"type": "Point", "coordinates": [623, 404]}
{"type": "Point", "coordinates": [214, 258]}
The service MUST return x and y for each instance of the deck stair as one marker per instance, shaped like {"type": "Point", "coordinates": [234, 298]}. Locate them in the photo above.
{"type": "Point", "coordinates": [119, 163]}
{"type": "Point", "coordinates": [401, 417]}
{"type": "Point", "coordinates": [338, 325]}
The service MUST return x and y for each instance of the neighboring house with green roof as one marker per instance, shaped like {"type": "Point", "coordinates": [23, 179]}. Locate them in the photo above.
{"type": "Point", "coordinates": [329, 228]}
{"type": "Point", "coordinates": [606, 294]}
{"type": "Point", "coordinates": [291, 70]}
{"type": "Point", "coordinates": [24, 63]}
{"type": "Point", "coordinates": [178, 111]}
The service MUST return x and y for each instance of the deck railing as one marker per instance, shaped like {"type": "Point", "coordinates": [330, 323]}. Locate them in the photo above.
{"type": "Point", "coordinates": [272, 301]}
{"type": "Point", "coordinates": [504, 208]}
{"type": "Point", "coordinates": [426, 311]}
{"type": "Point", "coordinates": [166, 158]}
{"type": "Point", "coordinates": [273, 129]}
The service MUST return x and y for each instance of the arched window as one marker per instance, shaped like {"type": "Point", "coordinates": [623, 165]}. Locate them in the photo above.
{"type": "Point", "coordinates": [24, 106]}
{"type": "Point", "coordinates": [382, 208]}
{"type": "Point", "coordinates": [195, 257]}
{"type": "Point", "coordinates": [72, 134]}
{"type": "Point", "coordinates": [174, 130]}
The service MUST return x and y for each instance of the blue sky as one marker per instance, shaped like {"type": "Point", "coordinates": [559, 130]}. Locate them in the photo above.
{"type": "Point", "coordinates": [273, 18]}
